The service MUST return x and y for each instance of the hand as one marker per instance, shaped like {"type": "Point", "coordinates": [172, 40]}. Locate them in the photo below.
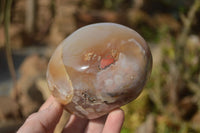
{"type": "Point", "coordinates": [45, 120]}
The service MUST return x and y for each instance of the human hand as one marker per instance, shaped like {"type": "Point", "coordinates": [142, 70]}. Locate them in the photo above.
{"type": "Point", "coordinates": [46, 119]}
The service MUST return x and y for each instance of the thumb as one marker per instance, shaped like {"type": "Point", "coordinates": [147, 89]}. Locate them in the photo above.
{"type": "Point", "coordinates": [43, 121]}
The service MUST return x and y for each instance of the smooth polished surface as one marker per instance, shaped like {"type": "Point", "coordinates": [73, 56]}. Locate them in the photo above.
{"type": "Point", "coordinates": [98, 68]}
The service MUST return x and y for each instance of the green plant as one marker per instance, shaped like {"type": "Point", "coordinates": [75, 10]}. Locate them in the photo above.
{"type": "Point", "coordinates": [5, 13]}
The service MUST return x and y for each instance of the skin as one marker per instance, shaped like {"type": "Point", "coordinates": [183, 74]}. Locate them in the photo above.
{"type": "Point", "coordinates": [46, 119]}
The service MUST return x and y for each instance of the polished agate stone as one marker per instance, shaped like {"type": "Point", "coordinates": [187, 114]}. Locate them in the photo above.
{"type": "Point", "coordinates": [98, 68]}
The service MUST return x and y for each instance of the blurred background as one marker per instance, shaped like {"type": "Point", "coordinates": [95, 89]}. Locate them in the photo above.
{"type": "Point", "coordinates": [30, 30]}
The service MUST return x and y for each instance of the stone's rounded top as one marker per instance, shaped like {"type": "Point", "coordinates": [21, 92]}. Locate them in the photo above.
{"type": "Point", "coordinates": [98, 68]}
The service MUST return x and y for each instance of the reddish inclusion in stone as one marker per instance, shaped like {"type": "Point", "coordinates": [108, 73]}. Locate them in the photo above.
{"type": "Point", "coordinates": [101, 67]}
{"type": "Point", "coordinates": [107, 61]}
